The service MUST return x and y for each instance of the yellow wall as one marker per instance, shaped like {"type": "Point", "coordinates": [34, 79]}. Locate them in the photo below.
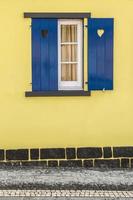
{"type": "Point", "coordinates": [105, 118]}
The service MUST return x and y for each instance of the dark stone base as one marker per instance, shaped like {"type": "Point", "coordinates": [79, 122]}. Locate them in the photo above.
{"type": "Point", "coordinates": [99, 157]}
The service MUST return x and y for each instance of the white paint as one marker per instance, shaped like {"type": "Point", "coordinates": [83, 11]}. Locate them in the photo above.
{"type": "Point", "coordinates": [71, 85]}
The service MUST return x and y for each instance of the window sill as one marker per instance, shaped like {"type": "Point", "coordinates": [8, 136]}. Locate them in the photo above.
{"type": "Point", "coordinates": [57, 93]}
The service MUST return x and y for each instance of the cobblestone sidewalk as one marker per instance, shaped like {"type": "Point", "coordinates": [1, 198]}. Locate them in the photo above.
{"type": "Point", "coordinates": [67, 193]}
{"type": "Point", "coordinates": [61, 198]}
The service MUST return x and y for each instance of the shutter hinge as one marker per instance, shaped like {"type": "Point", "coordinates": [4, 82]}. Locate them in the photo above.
{"type": "Point", "coordinates": [86, 26]}
{"type": "Point", "coordinates": [30, 25]}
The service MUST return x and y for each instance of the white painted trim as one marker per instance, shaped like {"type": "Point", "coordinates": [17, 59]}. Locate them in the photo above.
{"type": "Point", "coordinates": [71, 85]}
{"type": "Point", "coordinates": [65, 62]}
{"type": "Point", "coordinates": [69, 43]}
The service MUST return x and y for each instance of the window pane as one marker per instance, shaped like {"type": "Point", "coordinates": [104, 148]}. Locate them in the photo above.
{"type": "Point", "coordinates": [69, 72]}
{"type": "Point", "coordinates": [69, 53]}
{"type": "Point", "coordinates": [68, 33]}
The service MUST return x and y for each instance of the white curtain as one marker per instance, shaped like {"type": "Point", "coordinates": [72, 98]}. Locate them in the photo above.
{"type": "Point", "coordinates": [68, 52]}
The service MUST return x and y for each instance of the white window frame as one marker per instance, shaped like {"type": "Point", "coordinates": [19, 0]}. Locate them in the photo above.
{"type": "Point", "coordinates": [71, 85]}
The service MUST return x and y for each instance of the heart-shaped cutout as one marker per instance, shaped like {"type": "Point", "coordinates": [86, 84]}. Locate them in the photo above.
{"type": "Point", "coordinates": [100, 32]}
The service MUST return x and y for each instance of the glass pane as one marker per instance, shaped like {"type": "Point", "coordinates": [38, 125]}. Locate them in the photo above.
{"type": "Point", "coordinates": [69, 72]}
{"type": "Point", "coordinates": [68, 33]}
{"type": "Point", "coordinates": [69, 53]}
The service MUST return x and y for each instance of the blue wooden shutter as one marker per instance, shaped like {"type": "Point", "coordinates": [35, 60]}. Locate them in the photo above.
{"type": "Point", "coordinates": [100, 54]}
{"type": "Point", "coordinates": [44, 55]}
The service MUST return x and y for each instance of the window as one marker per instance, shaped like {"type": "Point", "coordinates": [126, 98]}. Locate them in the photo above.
{"type": "Point", "coordinates": [70, 55]}
{"type": "Point", "coordinates": [59, 59]}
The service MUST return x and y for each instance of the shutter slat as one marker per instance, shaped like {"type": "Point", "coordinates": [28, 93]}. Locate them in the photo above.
{"type": "Point", "coordinates": [53, 43]}
{"type": "Point", "coordinates": [45, 81]}
{"type": "Point", "coordinates": [36, 56]}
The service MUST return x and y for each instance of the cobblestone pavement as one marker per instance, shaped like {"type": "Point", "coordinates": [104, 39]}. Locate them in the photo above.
{"type": "Point", "coordinates": [71, 179]}
{"type": "Point", "coordinates": [67, 193]}
{"type": "Point", "coordinates": [65, 198]}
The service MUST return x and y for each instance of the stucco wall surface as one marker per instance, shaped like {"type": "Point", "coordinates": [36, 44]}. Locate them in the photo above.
{"type": "Point", "coordinates": [104, 118]}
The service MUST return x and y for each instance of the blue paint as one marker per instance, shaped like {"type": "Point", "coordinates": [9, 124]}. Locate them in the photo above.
{"type": "Point", "coordinates": [53, 62]}
{"type": "Point", "coordinates": [36, 55]}
{"type": "Point", "coordinates": [100, 54]}
{"type": "Point", "coordinates": [44, 55]}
